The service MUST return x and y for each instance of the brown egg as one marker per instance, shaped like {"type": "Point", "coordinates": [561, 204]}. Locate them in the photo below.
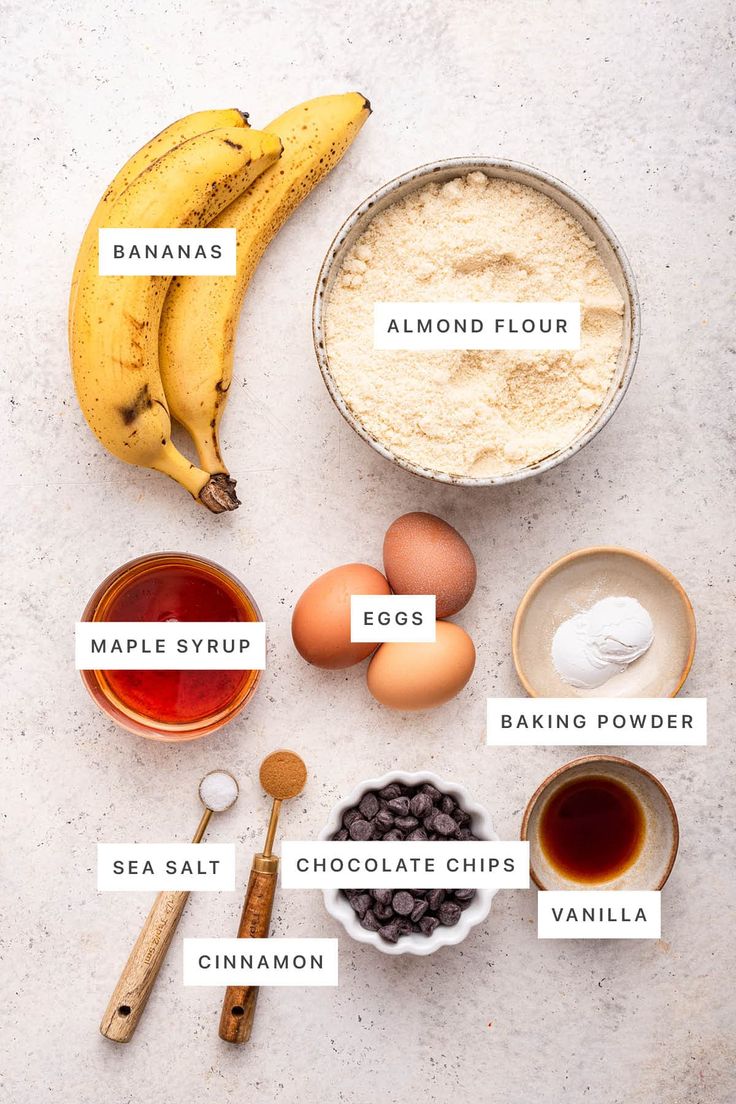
{"type": "Point", "coordinates": [320, 624]}
{"type": "Point", "coordinates": [422, 554]}
{"type": "Point", "coordinates": [412, 677]}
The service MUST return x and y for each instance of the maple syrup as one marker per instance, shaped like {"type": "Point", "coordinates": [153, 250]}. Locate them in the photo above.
{"type": "Point", "coordinates": [176, 704]}
{"type": "Point", "coordinates": [592, 829]}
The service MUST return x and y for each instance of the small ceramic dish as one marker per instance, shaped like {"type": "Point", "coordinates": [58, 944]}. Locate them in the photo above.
{"type": "Point", "coordinates": [339, 907]}
{"type": "Point", "coordinates": [574, 584]}
{"type": "Point", "coordinates": [606, 242]}
{"type": "Point", "coordinates": [661, 831]}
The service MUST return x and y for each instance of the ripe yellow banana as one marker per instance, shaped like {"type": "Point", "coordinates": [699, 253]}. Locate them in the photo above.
{"type": "Point", "coordinates": [180, 131]}
{"type": "Point", "coordinates": [115, 320]}
{"type": "Point", "coordinates": [200, 316]}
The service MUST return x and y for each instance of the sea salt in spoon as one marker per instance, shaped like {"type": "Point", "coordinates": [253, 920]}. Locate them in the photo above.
{"type": "Point", "coordinates": [218, 791]}
{"type": "Point", "coordinates": [283, 775]}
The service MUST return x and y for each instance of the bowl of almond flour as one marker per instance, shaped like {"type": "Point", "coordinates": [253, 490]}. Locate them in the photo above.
{"type": "Point", "coordinates": [472, 230]}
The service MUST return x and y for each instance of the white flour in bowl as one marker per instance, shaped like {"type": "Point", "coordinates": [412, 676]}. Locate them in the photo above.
{"type": "Point", "coordinates": [473, 413]}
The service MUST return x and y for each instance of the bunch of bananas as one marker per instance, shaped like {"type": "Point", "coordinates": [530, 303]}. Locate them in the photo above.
{"type": "Point", "coordinates": [145, 349]}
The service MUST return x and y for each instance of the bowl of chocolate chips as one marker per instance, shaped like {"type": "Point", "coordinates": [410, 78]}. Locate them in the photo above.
{"type": "Point", "coordinates": [411, 806]}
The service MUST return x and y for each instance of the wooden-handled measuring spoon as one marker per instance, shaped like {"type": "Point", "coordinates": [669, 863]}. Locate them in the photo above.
{"type": "Point", "coordinates": [282, 775]}
{"type": "Point", "coordinates": [218, 791]}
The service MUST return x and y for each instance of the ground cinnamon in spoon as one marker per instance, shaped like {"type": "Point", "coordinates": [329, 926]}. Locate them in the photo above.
{"type": "Point", "coordinates": [283, 774]}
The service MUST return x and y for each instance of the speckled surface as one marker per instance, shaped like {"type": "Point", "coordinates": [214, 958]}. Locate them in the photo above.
{"type": "Point", "coordinates": [629, 106]}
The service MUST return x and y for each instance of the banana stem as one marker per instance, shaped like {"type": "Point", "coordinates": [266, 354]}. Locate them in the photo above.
{"type": "Point", "coordinates": [216, 492]}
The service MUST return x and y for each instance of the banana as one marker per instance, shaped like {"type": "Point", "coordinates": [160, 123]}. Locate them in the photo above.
{"type": "Point", "coordinates": [180, 131]}
{"type": "Point", "coordinates": [115, 319]}
{"type": "Point", "coordinates": [199, 318]}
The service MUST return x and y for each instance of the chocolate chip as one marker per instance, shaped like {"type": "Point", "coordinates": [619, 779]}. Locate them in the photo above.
{"type": "Point", "coordinates": [369, 806]}
{"type": "Point", "coordinates": [447, 805]}
{"type": "Point", "coordinates": [407, 823]}
{"type": "Point", "coordinates": [432, 793]}
{"type": "Point", "coordinates": [361, 903]}
{"type": "Point", "coordinates": [382, 896]}
{"type": "Point", "coordinates": [361, 830]}
{"type": "Point", "coordinates": [420, 805]}
{"type": "Point", "coordinates": [417, 834]}
{"type": "Point", "coordinates": [390, 791]}
{"type": "Point", "coordinates": [341, 835]}
{"type": "Point", "coordinates": [464, 894]}
{"type": "Point", "coordinates": [403, 903]}
{"type": "Point", "coordinates": [394, 834]}
{"type": "Point", "coordinates": [390, 932]}
{"type": "Point", "coordinates": [464, 834]}
{"type": "Point", "coordinates": [349, 817]}
{"type": "Point", "coordinates": [399, 806]}
{"type": "Point", "coordinates": [383, 913]}
{"type": "Point", "coordinates": [435, 897]}
{"type": "Point", "coordinates": [420, 907]}
{"type": "Point", "coordinates": [428, 924]}
{"type": "Point", "coordinates": [462, 818]}
{"type": "Point", "coordinates": [369, 921]}
{"type": "Point", "coordinates": [449, 913]}
{"type": "Point", "coordinates": [384, 819]}
{"type": "Point", "coordinates": [442, 823]}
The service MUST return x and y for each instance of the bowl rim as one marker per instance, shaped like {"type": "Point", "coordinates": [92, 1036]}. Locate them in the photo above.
{"type": "Point", "coordinates": [442, 936]}
{"type": "Point", "coordinates": [601, 758]}
{"type": "Point", "coordinates": [582, 553]}
{"type": "Point", "coordinates": [423, 174]}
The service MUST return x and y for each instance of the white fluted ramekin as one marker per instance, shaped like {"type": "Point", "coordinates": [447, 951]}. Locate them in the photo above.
{"type": "Point", "coordinates": [338, 905]}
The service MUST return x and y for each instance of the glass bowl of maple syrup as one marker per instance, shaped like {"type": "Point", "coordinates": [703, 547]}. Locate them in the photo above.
{"type": "Point", "coordinates": [173, 705]}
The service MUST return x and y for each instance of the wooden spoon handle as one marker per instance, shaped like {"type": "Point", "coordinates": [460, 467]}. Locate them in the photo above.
{"type": "Point", "coordinates": [134, 986]}
{"type": "Point", "coordinates": [239, 1005]}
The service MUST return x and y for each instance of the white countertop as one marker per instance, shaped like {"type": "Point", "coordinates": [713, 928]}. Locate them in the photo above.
{"type": "Point", "coordinates": [629, 107]}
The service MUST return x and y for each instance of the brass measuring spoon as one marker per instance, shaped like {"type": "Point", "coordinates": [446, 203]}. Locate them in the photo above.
{"type": "Point", "coordinates": [218, 791]}
{"type": "Point", "coordinates": [283, 775]}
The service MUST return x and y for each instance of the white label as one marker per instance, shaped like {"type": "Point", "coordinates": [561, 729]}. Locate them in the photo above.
{"type": "Point", "coordinates": [381, 617]}
{"type": "Point", "coordinates": [567, 722]}
{"type": "Point", "coordinates": [476, 325]}
{"type": "Point", "coordinates": [170, 646]}
{"type": "Point", "coordinates": [157, 866]}
{"type": "Point", "coordinates": [599, 914]}
{"type": "Point", "coordinates": [148, 251]}
{"type": "Point", "coordinates": [260, 962]}
{"type": "Point", "coordinates": [471, 864]}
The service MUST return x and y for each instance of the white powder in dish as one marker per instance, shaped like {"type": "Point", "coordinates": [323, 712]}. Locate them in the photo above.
{"type": "Point", "coordinates": [591, 647]}
{"type": "Point", "coordinates": [218, 790]}
{"type": "Point", "coordinates": [473, 413]}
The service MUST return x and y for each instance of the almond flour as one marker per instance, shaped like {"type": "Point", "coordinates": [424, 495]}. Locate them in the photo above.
{"type": "Point", "coordinates": [473, 413]}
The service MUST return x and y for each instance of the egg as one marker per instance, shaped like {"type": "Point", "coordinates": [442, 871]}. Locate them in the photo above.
{"type": "Point", "coordinates": [320, 623]}
{"type": "Point", "coordinates": [422, 554]}
{"type": "Point", "coordinates": [413, 677]}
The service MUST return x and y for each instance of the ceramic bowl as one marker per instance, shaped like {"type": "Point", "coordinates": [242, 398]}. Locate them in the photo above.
{"type": "Point", "coordinates": [339, 907]}
{"type": "Point", "coordinates": [596, 228]}
{"type": "Point", "coordinates": [577, 582]}
{"type": "Point", "coordinates": [661, 832]}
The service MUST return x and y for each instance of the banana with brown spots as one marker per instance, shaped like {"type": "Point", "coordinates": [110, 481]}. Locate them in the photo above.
{"type": "Point", "coordinates": [114, 324]}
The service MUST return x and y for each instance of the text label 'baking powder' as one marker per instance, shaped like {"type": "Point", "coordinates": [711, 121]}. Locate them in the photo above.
{"type": "Point", "coordinates": [602, 722]}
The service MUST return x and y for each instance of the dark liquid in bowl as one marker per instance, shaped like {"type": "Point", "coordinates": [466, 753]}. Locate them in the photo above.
{"type": "Point", "coordinates": [592, 829]}
{"type": "Point", "coordinates": [181, 591]}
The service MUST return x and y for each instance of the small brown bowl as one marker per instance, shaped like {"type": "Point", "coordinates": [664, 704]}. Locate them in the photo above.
{"type": "Point", "coordinates": [575, 583]}
{"type": "Point", "coordinates": [651, 869]}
